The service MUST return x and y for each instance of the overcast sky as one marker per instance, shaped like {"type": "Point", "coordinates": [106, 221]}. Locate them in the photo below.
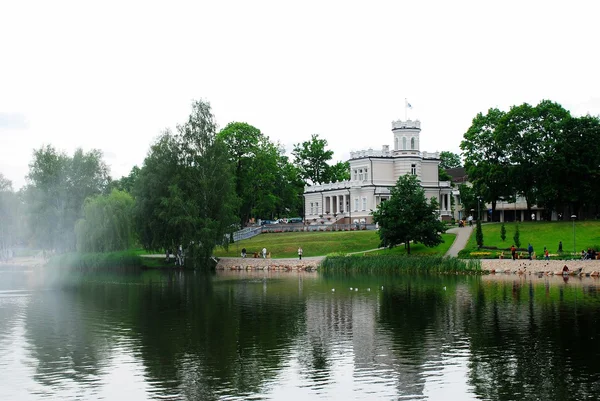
{"type": "Point", "coordinates": [113, 75]}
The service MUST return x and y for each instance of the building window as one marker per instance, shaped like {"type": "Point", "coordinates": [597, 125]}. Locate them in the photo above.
{"type": "Point", "coordinates": [356, 204]}
{"type": "Point", "coordinates": [317, 208]}
{"type": "Point", "coordinates": [364, 203]}
{"type": "Point", "coordinates": [312, 211]}
{"type": "Point", "coordinates": [366, 175]}
{"type": "Point", "coordinates": [413, 169]}
{"type": "Point", "coordinates": [355, 175]}
{"type": "Point", "coordinates": [404, 143]}
{"type": "Point", "coordinates": [412, 143]}
{"type": "Point", "coordinates": [360, 175]}
{"type": "Point", "coordinates": [395, 143]}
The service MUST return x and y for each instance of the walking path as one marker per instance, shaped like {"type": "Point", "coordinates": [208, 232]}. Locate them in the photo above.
{"type": "Point", "coordinates": [462, 237]}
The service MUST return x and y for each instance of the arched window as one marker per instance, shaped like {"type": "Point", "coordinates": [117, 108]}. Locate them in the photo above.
{"type": "Point", "coordinates": [396, 144]}
{"type": "Point", "coordinates": [404, 143]}
{"type": "Point", "coordinates": [412, 143]}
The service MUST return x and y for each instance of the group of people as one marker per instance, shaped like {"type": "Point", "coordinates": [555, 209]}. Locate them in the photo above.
{"type": "Point", "coordinates": [256, 254]}
{"type": "Point", "coordinates": [530, 252]}
{"type": "Point", "coordinates": [589, 255]}
{"type": "Point", "coordinates": [463, 223]}
{"type": "Point", "coordinates": [264, 253]}
{"type": "Point", "coordinates": [179, 256]}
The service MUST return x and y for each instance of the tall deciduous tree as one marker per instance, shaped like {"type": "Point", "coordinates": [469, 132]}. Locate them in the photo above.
{"type": "Point", "coordinates": [486, 158]}
{"type": "Point", "coordinates": [407, 216]}
{"type": "Point", "coordinates": [11, 222]}
{"type": "Point", "coordinates": [529, 135]}
{"type": "Point", "coordinates": [195, 206]}
{"type": "Point", "coordinates": [57, 187]}
{"type": "Point", "coordinates": [262, 176]}
{"type": "Point", "coordinates": [311, 158]}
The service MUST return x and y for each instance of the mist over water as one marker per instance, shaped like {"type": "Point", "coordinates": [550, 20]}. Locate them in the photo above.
{"type": "Point", "coordinates": [140, 335]}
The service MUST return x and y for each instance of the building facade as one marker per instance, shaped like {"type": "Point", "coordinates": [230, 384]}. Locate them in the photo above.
{"type": "Point", "coordinates": [372, 174]}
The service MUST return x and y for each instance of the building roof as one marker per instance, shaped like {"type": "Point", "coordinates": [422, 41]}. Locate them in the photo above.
{"type": "Point", "coordinates": [458, 174]}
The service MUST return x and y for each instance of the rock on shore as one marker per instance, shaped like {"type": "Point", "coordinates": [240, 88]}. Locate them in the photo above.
{"type": "Point", "coordinates": [549, 267]}
{"type": "Point", "coordinates": [307, 264]}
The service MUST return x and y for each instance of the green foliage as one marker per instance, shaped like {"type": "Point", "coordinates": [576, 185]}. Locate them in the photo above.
{"type": "Point", "coordinates": [340, 171]}
{"type": "Point", "coordinates": [11, 219]}
{"type": "Point", "coordinates": [127, 183]}
{"type": "Point", "coordinates": [503, 232]}
{"type": "Point", "coordinates": [534, 151]}
{"type": "Point", "coordinates": [479, 234]}
{"type": "Point", "coordinates": [449, 160]}
{"type": "Point", "coordinates": [107, 223]}
{"type": "Point", "coordinates": [311, 158]}
{"type": "Point", "coordinates": [58, 186]}
{"type": "Point", "coordinates": [443, 175]}
{"type": "Point", "coordinates": [467, 198]}
{"type": "Point", "coordinates": [387, 263]}
{"type": "Point", "coordinates": [517, 237]}
{"type": "Point", "coordinates": [266, 183]}
{"type": "Point", "coordinates": [407, 216]}
{"type": "Point", "coordinates": [185, 191]}
{"type": "Point", "coordinates": [486, 160]}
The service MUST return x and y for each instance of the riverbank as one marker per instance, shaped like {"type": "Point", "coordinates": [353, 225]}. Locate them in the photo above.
{"type": "Point", "coordinates": [308, 264]}
{"type": "Point", "coordinates": [548, 267]}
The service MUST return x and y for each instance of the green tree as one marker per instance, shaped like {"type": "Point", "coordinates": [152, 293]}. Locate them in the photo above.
{"type": "Point", "coordinates": [486, 158]}
{"type": "Point", "coordinates": [126, 183]}
{"type": "Point", "coordinates": [407, 216]}
{"type": "Point", "coordinates": [449, 160]}
{"type": "Point", "coordinates": [311, 158]}
{"type": "Point", "coordinates": [503, 232]}
{"type": "Point", "coordinates": [529, 134]}
{"type": "Point", "coordinates": [107, 223]}
{"type": "Point", "coordinates": [338, 172]}
{"type": "Point", "coordinates": [266, 183]}
{"type": "Point", "coordinates": [159, 171]}
{"type": "Point", "coordinates": [57, 187]}
{"type": "Point", "coordinates": [11, 221]}
{"type": "Point", "coordinates": [185, 193]}
{"type": "Point", "coordinates": [468, 198]}
{"type": "Point", "coordinates": [517, 236]}
{"type": "Point", "coordinates": [479, 234]}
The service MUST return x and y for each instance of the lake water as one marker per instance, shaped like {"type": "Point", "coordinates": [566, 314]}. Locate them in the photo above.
{"type": "Point", "coordinates": [138, 335]}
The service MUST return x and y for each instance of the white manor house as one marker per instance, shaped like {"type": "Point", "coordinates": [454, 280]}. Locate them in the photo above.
{"type": "Point", "coordinates": [372, 174]}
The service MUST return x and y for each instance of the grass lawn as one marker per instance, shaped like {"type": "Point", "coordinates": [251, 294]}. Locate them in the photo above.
{"type": "Point", "coordinates": [540, 235]}
{"type": "Point", "coordinates": [420, 249]}
{"type": "Point", "coordinates": [285, 245]}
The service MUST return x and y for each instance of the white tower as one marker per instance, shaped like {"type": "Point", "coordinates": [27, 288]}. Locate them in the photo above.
{"type": "Point", "coordinates": [406, 135]}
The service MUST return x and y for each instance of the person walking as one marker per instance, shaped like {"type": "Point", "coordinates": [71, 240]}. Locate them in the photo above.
{"type": "Point", "coordinates": [530, 250]}
{"type": "Point", "coordinates": [513, 252]}
{"type": "Point", "coordinates": [243, 252]}
{"type": "Point", "coordinates": [300, 253]}
{"type": "Point", "coordinates": [264, 252]}
{"type": "Point", "coordinates": [546, 254]}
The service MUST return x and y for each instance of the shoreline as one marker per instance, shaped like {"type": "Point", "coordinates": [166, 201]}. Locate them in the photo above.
{"type": "Point", "coordinates": [546, 267]}
{"type": "Point", "coordinates": [492, 266]}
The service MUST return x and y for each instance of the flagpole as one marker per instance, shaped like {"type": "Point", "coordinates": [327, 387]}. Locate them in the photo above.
{"type": "Point", "coordinates": [405, 109]}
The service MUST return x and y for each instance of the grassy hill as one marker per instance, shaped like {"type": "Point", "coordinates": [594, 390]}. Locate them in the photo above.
{"type": "Point", "coordinates": [285, 245]}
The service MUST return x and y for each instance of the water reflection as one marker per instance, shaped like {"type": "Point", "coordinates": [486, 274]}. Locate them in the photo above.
{"type": "Point", "coordinates": [267, 335]}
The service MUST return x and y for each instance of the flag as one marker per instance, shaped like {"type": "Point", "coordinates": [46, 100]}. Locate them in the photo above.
{"type": "Point", "coordinates": [409, 105]}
